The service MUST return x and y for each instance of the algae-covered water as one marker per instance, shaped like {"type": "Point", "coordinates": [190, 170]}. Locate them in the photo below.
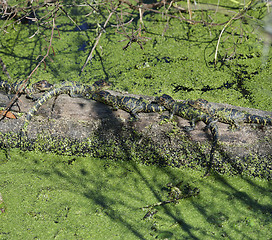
{"type": "Point", "coordinates": [47, 196]}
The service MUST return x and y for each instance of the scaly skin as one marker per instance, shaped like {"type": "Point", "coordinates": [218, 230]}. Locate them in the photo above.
{"type": "Point", "coordinates": [71, 88]}
{"type": "Point", "coordinates": [194, 115]}
{"type": "Point", "coordinates": [129, 104]}
{"type": "Point", "coordinates": [229, 115]}
{"type": "Point", "coordinates": [40, 86]}
{"type": "Point", "coordinates": [190, 113]}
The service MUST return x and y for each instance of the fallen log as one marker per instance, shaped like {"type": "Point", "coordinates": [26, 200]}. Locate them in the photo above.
{"type": "Point", "coordinates": [78, 126]}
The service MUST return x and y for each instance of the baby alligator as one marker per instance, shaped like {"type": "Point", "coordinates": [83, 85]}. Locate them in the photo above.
{"type": "Point", "coordinates": [190, 113]}
{"type": "Point", "coordinates": [40, 86]}
{"type": "Point", "coordinates": [229, 115]}
{"type": "Point", "coordinates": [71, 88]}
{"type": "Point", "coordinates": [129, 104]}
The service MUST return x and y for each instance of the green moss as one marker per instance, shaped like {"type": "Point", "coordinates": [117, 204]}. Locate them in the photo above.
{"type": "Point", "coordinates": [173, 149]}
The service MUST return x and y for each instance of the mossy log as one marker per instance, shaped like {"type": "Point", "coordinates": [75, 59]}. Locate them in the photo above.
{"type": "Point", "coordinates": [88, 127]}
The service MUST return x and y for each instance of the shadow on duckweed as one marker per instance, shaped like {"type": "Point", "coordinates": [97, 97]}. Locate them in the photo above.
{"type": "Point", "coordinates": [87, 197]}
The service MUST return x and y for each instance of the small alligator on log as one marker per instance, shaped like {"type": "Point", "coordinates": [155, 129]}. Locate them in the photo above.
{"type": "Point", "coordinates": [18, 87]}
{"type": "Point", "coordinates": [194, 115]}
{"type": "Point", "coordinates": [131, 105]}
{"type": "Point", "coordinates": [73, 89]}
{"type": "Point", "coordinates": [190, 113]}
{"type": "Point", "coordinates": [230, 116]}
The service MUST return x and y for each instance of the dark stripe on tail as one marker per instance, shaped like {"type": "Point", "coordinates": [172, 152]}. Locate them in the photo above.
{"type": "Point", "coordinates": [152, 107]}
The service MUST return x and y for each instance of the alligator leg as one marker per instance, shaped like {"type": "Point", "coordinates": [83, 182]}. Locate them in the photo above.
{"type": "Point", "coordinates": [192, 125]}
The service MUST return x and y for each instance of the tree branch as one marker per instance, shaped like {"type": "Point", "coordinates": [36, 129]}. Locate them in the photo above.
{"type": "Point", "coordinates": [23, 86]}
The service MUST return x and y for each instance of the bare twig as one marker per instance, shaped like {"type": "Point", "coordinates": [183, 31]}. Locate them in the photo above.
{"type": "Point", "coordinates": [189, 9]}
{"type": "Point", "coordinates": [135, 36]}
{"type": "Point", "coordinates": [98, 38]}
{"type": "Point", "coordinates": [70, 18]}
{"type": "Point", "coordinates": [236, 16]}
{"type": "Point", "coordinates": [123, 24]}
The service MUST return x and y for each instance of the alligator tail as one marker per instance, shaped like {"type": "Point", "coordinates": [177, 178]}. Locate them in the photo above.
{"type": "Point", "coordinates": [251, 118]}
{"type": "Point", "coordinates": [8, 88]}
{"type": "Point", "coordinates": [66, 88]}
{"type": "Point", "coordinates": [5, 86]}
{"type": "Point", "coordinates": [36, 107]}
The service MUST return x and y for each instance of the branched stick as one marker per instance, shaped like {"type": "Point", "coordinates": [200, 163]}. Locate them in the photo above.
{"type": "Point", "coordinates": [236, 16]}
{"type": "Point", "coordinates": [98, 38]}
{"type": "Point", "coordinates": [161, 203]}
{"type": "Point", "coordinates": [17, 95]}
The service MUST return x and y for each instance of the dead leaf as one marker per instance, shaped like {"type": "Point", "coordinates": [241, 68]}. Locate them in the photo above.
{"type": "Point", "coordinates": [8, 114]}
